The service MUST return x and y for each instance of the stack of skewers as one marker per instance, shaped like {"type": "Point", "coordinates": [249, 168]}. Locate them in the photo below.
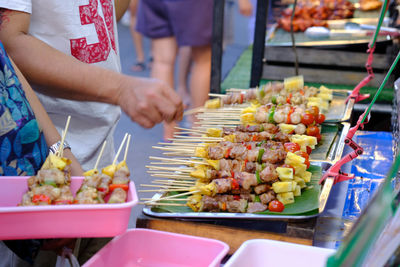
{"type": "Point", "coordinates": [249, 151]}
{"type": "Point", "coordinates": [51, 185]}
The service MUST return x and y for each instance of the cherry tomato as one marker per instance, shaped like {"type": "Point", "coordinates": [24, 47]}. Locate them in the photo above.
{"type": "Point", "coordinates": [318, 137]}
{"type": "Point", "coordinates": [309, 150]}
{"type": "Point", "coordinates": [320, 119]}
{"type": "Point", "coordinates": [312, 130]}
{"type": "Point", "coordinates": [307, 162]}
{"type": "Point", "coordinates": [276, 205]}
{"type": "Point", "coordinates": [235, 184]}
{"type": "Point", "coordinates": [236, 197]}
{"type": "Point", "coordinates": [302, 154]}
{"type": "Point", "coordinates": [289, 166]}
{"type": "Point", "coordinates": [314, 110]}
{"type": "Point", "coordinates": [307, 118]}
{"type": "Point", "coordinates": [291, 147]}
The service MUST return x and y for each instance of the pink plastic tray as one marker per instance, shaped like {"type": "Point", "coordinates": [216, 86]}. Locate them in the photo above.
{"type": "Point", "coordinates": [101, 220]}
{"type": "Point", "coordinates": [144, 247]}
{"type": "Point", "coordinates": [271, 253]}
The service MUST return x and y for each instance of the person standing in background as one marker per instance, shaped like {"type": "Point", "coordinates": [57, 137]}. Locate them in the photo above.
{"type": "Point", "coordinates": [68, 50]}
{"type": "Point", "coordinates": [177, 23]}
{"type": "Point", "coordinates": [140, 64]}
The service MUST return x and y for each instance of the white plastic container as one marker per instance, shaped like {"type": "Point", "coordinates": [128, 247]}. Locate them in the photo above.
{"type": "Point", "coordinates": [265, 253]}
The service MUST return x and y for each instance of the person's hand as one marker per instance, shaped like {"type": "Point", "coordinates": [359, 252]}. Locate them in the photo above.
{"type": "Point", "coordinates": [245, 7]}
{"type": "Point", "coordinates": [149, 101]}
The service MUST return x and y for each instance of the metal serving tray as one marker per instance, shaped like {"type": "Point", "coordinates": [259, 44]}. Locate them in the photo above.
{"type": "Point", "coordinates": [339, 110]}
{"type": "Point", "coordinates": [335, 154]}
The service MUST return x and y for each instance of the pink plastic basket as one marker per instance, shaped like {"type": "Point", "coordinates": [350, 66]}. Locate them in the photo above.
{"type": "Point", "coordinates": [144, 247]}
{"type": "Point", "coordinates": [61, 221]}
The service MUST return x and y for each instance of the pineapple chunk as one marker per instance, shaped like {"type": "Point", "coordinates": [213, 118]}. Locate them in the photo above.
{"type": "Point", "coordinates": [306, 176]}
{"type": "Point", "coordinates": [53, 161]}
{"type": "Point", "coordinates": [200, 152]}
{"type": "Point", "coordinates": [294, 184]}
{"type": "Point", "coordinates": [287, 128]}
{"type": "Point", "coordinates": [281, 187]}
{"type": "Point", "coordinates": [194, 202]}
{"type": "Point", "coordinates": [250, 109]}
{"type": "Point", "coordinates": [300, 182]}
{"type": "Point", "coordinates": [286, 198]}
{"type": "Point", "coordinates": [247, 118]}
{"type": "Point", "coordinates": [325, 90]}
{"type": "Point", "coordinates": [300, 169]}
{"type": "Point", "coordinates": [293, 83]}
{"type": "Point", "coordinates": [213, 103]}
{"type": "Point", "coordinates": [214, 132]}
{"type": "Point", "coordinates": [324, 106]}
{"type": "Point", "coordinates": [326, 97]}
{"type": "Point", "coordinates": [294, 160]}
{"type": "Point", "coordinates": [230, 138]}
{"type": "Point", "coordinates": [285, 173]}
{"type": "Point", "coordinates": [214, 163]}
{"type": "Point", "coordinates": [199, 174]}
{"type": "Point", "coordinates": [297, 191]}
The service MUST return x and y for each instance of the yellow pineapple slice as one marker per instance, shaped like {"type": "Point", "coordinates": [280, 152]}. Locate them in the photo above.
{"type": "Point", "coordinates": [285, 173]}
{"type": "Point", "coordinates": [286, 198]}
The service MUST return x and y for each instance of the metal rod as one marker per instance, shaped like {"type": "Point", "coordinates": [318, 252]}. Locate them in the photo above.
{"type": "Point", "coordinates": [259, 42]}
{"type": "Point", "coordinates": [216, 46]}
{"type": "Point", "coordinates": [381, 87]}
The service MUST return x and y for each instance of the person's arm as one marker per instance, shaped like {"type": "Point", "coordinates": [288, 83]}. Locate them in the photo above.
{"type": "Point", "coordinates": [120, 8]}
{"type": "Point", "coordinates": [50, 132]}
{"type": "Point", "coordinates": [146, 101]}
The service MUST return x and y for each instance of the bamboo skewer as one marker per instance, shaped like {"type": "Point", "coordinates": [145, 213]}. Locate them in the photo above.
{"type": "Point", "coordinates": [191, 130]}
{"type": "Point", "coordinates": [119, 149]}
{"type": "Point", "coordinates": [171, 149]}
{"type": "Point", "coordinates": [162, 204]}
{"type": "Point", "coordinates": [172, 199]}
{"type": "Point", "coordinates": [180, 160]}
{"type": "Point", "coordinates": [178, 195]}
{"type": "Point", "coordinates": [170, 169]}
{"type": "Point", "coordinates": [163, 190]}
{"type": "Point", "coordinates": [193, 110]}
{"type": "Point", "coordinates": [101, 153]}
{"type": "Point", "coordinates": [60, 151]}
{"type": "Point", "coordinates": [165, 186]}
{"type": "Point", "coordinates": [127, 147]}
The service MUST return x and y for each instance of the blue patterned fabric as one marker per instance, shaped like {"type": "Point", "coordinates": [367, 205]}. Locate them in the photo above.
{"type": "Point", "coordinates": [23, 148]}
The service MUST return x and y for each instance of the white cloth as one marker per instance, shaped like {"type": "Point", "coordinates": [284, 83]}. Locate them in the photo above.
{"type": "Point", "coordinates": [87, 30]}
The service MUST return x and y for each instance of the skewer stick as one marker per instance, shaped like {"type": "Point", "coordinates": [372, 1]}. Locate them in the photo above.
{"type": "Point", "coordinates": [161, 204]}
{"type": "Point", "coordinates": [179, 160]}
{"type": "Point", "coordinates": [166, 163]}
{"type": "Point", "coordinates": [165, 186]}
{"type": "Point", "coordinates": [180, 144]}
{"type": "Point", "coordinates": [190, 130]}
{"type": "Point", "coordinates": [119, 149]}
{"type": "Point", "coordinates": [173, 182]}
{"type": "Point", "coordinates": [127, 147]}
{"type": "Point", "coordinates": [60, 151]}
{"type": "Point", "coordinates": [178, 195]}
{"type": "Point", "coordinates": [173, 149]}
{"type": "Point", "coordinates": [163, 190]}
{"type": "Point", "coordinates": [99, 157]}
{"type": "Point", "coordinates": [177, 154]}
{"type": "Point", "coordinates": [192, 111]}
{"type": "Point", "coordinates": [216, 95]}
{"type": "Point", "coordinates": [169, 168]}
{"type": "Point", "coordinates": [171, 199]}
{"type": "Point", "coordinates": [184, 178]}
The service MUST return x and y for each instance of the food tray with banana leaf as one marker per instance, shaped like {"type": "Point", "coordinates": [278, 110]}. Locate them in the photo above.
{"type": "Point", "coordinates": [307, 205]}
{"type": "Point", "coordinates": [339, 110]}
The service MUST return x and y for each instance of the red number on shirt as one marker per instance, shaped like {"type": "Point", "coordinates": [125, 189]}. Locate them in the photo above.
{"type": "Point", "coordinates": [92, 53]}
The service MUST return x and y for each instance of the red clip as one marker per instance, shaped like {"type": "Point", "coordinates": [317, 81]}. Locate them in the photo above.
{"type": "Point", "coordinates": [355, 94]}
{"type": "Point", "coordinates": [334, 170]}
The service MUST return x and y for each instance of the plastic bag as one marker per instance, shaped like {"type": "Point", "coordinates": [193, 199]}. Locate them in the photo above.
{"type": "Point", "coordinates": [67, 259]}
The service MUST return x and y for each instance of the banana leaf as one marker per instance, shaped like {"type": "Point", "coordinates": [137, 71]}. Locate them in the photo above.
{"type": "Point", "coordinates": [306, 204]}
{"type": "Point", "coordinates": [328, 134]}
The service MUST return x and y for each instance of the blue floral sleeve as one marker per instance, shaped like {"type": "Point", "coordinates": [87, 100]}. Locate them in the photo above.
{"type": "Point", "coordinates": [23, 148]}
